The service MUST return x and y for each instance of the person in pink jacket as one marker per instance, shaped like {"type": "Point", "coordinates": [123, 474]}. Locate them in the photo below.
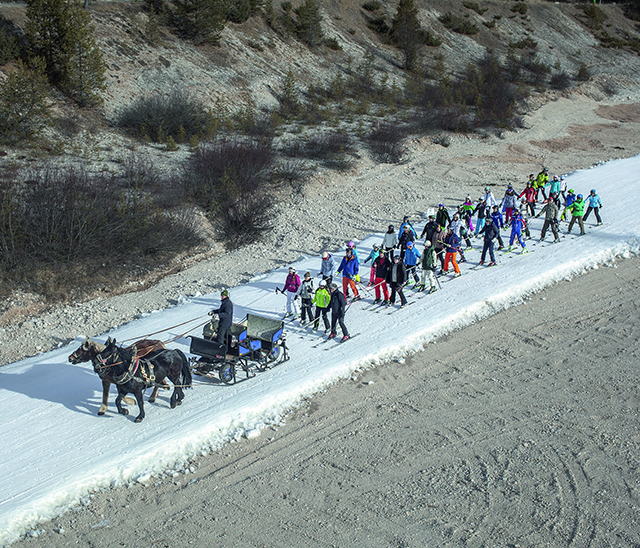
{"type": "Point", "coordinates": [290, 289]}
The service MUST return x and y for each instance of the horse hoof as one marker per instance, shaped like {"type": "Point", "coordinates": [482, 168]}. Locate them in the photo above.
{"type": "Point", "coordinates": [101, 412]}
{"type": "Point", "coordinates": [124, 412]}
{"type": "Point", "coordinates": [139, 419]}
{"type": "Point", "coordinates": [179, 402]}
{"type": "Point", "coordinates": [152, 400]}
{"type": "Point", "coordinates": [173, 405]}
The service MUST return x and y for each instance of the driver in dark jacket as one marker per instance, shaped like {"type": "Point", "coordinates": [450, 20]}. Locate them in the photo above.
{"type": "Point", "coordinates": [225, 317]}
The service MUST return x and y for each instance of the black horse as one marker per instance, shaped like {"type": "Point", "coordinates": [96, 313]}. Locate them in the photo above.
{"type": "Point", "coordinates": [145, 348]}
{"type": "Point", "coordinates": [133, 375]}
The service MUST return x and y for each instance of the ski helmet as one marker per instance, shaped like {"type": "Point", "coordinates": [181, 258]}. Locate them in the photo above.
{"type": "Point", "coordinates": [291, 269]}
{"type": "Point", "coordinates": [334, 286]}
{"type": "Point", "coordinates": [571, 191]}
{"type": "Point", "coordinates": [224, 293]}
{"type": "Point", "coordinates": [405, 218]}
{"type": "Point", "coordinates": [325, 255]}
{"type": "Point", "coordinates": [562, 177]}
{"type": "Point", "coordinates": [376, 246]}
{"type": "Point", "coordinates": [579, 196]}
{"type": "Point", "coordinates": [440, 205]}
{"type": "Point", "coordinates": [322, 283]}
{"type": "Point", "coordinates": [593, 191]}
{"type": "Point", "coordinates": [391, 227]}
{"type": "Point", "coordinates": [555, 177]}
{"type": "Point", "coordinates": [351, 245]}
{"type": "Point", "coordinates": [409, 244]}
{"type": "Point", "coordinates": [427, 243]}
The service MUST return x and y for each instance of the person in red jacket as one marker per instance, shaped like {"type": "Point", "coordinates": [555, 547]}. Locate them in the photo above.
{"type": "Point", "coordinates": [530, 195]}
{"type": "Point", "coordinates": [381, 266]}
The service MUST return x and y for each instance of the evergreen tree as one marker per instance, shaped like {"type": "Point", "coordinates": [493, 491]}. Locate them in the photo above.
{"type": "Point", "coordinates": [61, 33]}
{"type": "Point", "coordinates": [202, 20]}
{"type": "Point", "coordinates": [406, 32]}
{"type": "Point", "coordinates": [309, 27]}
{"type": "Point", "coordinates": [24, 103]}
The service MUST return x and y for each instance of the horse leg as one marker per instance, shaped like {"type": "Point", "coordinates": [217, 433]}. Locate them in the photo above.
{"type": "Point", "coordinates": [121, 410]}
{"type": "Point", "coordinates": [138, 395]}
{"type": "Point", "coordinates": [105, 396]}
{"type": "Point", "coordinates": [154, 394]}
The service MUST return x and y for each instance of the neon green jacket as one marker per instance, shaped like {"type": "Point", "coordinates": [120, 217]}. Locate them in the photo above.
{"type": "Point", "coordinates": [321, 298]}
{"type": "Point", "coordinates": [577, 208]}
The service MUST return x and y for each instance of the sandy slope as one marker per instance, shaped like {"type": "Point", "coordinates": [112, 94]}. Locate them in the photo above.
{"type": "Point", "coordinates": [519, 431]}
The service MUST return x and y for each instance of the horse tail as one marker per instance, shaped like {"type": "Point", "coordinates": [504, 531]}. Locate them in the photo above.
{"type": "Point", "coordinates": [187, 380]}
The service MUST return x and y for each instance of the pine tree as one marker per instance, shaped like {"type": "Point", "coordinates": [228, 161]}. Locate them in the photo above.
{"type": "Point", "coordinates": [309, 27]}
{"type": "Point", "coordinates": [24, 103]}
{"type": "Point", "coordinates": [406, 32]}
{"type": "Point", "coordinates": [202, 20]}
{"type": "Point", "coordinates": [61, 33]}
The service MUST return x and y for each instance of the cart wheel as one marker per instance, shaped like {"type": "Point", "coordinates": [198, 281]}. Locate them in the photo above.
{"type": "Point", "coordinates": [227, 372]}
{"type": "Point", "coordinates": [274, 353]}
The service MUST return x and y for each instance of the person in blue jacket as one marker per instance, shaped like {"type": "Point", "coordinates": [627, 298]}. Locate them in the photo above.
{"type": "Point", "coordinates": [411, 258]}
{"type": "Point", "coordinates": [517, 224]}
{"type": "Point", "coordinates": [568, 202]}
{"type": "Point", "coordinates": [406, 222]}
{"type": "Point", "coordinates": [349, 269]}
{"type": "Point", "coordinates": [593, 203]}
{"type": "Point", "coordinates": [497, 219]}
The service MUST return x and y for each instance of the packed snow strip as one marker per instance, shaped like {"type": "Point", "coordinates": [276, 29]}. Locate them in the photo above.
{"type": "Point", "coordinates": [56, 451]}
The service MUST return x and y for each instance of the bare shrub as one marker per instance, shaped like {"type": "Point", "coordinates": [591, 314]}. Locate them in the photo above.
{"type": "Point", "coordinates": [332, 149]}
{"type": "Point", "coordinates": [560, 80]}
{"type": "Point", "coordinates": [458, 24]}
{"type": "Point", "coordinates": [230, 180]}
{"type": "Point", "coordinates": [385, 142]}
{"type": "Point", "coordinates": [177, 115]}
{"type": "Point", "coordinates": [583, 74]}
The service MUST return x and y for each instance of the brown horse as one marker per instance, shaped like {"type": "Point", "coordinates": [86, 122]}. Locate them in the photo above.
{"type": "Point", "coordinates": [145, 348]}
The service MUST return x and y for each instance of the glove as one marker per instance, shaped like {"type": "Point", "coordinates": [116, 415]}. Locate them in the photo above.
{"type": "Point", "coordinates": [358, 278]}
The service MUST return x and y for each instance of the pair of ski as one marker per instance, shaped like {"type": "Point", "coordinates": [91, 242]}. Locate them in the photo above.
{"type": "Point", "coordinates": [335, 339]}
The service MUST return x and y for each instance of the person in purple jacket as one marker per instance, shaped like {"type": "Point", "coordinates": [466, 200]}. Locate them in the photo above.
{"type": "Point", "coordinates": [291, 285]}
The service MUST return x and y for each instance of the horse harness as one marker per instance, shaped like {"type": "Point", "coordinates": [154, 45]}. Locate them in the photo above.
{"type": "Point", "coordinates": [144, 368]}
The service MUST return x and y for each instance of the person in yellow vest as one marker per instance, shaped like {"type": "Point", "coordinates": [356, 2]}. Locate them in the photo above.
{"type": "Point", "coordinates": [542, 180]}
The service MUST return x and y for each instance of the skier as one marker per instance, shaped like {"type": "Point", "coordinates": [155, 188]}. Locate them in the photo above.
{"type": "Point", "coordinates": [457, 226]}
{"type": "Point", "coordinates": [453, 246]}
{"type": "Point", "coordinates": [466, 211]}
{"type": "Point", "coordinates": [488, 198]}
{"type": "Point", "coordinates": [429, 262]}
{"type": "Point", "coordinates": [326, 268]}
{"type": "Point", "coordinates": [305, 292]}
{"type": "Point", "coordinates": [411, 258]}
{"type": "Point", "coordinates": [372, 257]}
{"type": "Point", "coordinates": [352, 246]}
{"type": "Point", "coordinates": [577, 211]}
{"type": "Point", "coordinates": [349, 269]}
{"type": "Point", "coordinates": [225, 317]}
{"type": "Point", "coordinates": [406, 237]}
{"type": "Point", "coordinates": [517, 224]}
{"type": "Point", "coordinates": [406, 222]}
{"type": "Point", "coordinates": [542, 180]}
{"type": "Point", "coordinates": [390, 241]}
{"type": "Point", "coordinates": [550, 210]}
{"type": "Point", "coordinates": [554, 186]}
{"type": "Point", "coordinates": [524, 211]}
{"type": "Point", "coordinates": [509, 203]}
{"type": "Point", "coordinates": [291, 285]}
{"type": "Point", "coordinates": [429, 229]}
{"type": "Point", "coordinates": [321, 299]}
{"type": "Point", "coordinates": [530, 196]}
{"type": "Point", "coordinates": [338, 305]}
{"type": "Point", "coordinates": [568, 202]}
{"type": "Point", "coordinates": [396, 278]}
{"type": "Point", "coordinates": [481, 210]}
{"type": "Point", "coordinates": [496, 217]}
{"type": "Point", "coordinates": [438, 244]}
{"type": "Point", "coordinates": [593, 203]}
{"type": "Point", "coordinates": [442, 216]}
{"type": "Point", "coordinates": [381, 266]}
{"type": "Point", "coordinates": [563, 186]}
{"type": "Point", "coordinates": [490, 231]}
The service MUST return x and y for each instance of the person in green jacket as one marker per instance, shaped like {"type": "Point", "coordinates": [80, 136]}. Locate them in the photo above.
{"type": "Point", "coordinates": [577, 211]}
{"type": "Point", "coordinates": [429, 261]}
{"type": "Point", "coordinates": [321, 300]}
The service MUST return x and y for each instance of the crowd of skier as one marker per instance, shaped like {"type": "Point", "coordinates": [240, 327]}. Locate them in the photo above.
{"type": "Point", "coordinates": [395, 261]}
